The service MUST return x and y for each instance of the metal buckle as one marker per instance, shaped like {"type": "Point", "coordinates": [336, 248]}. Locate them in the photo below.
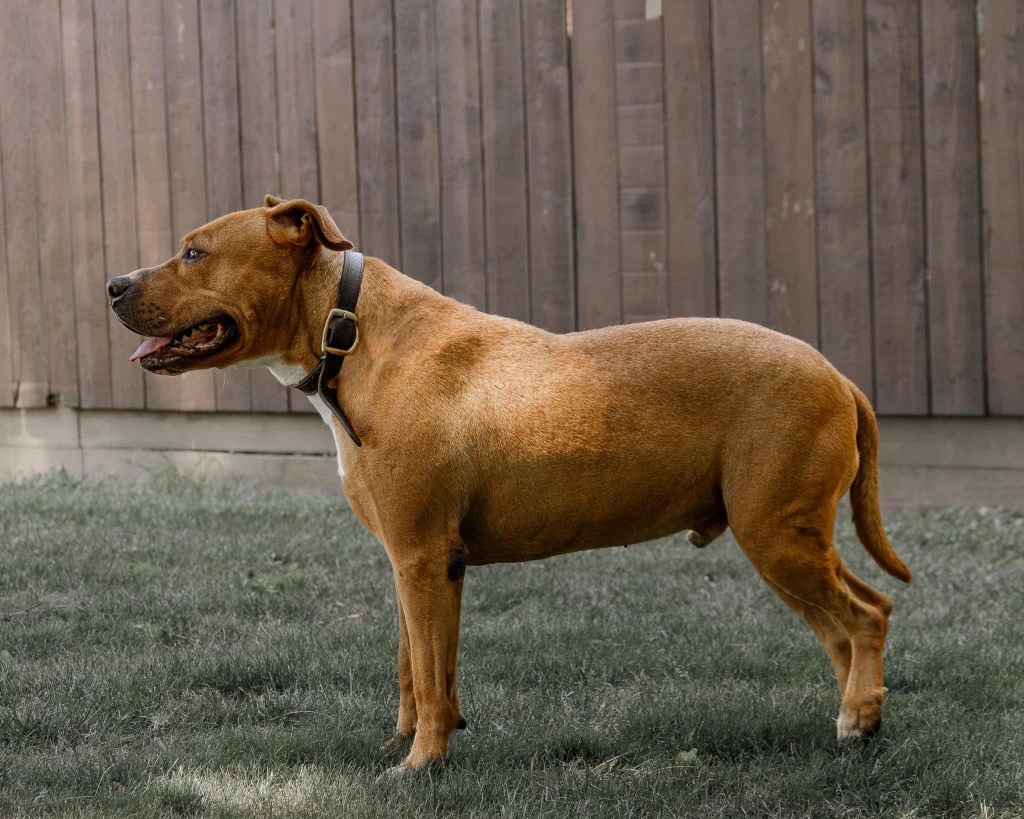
{"type": "Point", "coordinates": [343, 314]}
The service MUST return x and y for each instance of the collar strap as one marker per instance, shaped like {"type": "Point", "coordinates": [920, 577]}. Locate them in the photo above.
{"type": "Point", "coordinates": [340, 338]}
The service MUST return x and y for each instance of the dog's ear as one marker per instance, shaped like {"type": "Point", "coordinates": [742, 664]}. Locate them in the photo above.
{"type": "Point", "coordinates": [298, 222]}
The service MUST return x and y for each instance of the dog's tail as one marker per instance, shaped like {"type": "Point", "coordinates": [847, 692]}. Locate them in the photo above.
{"type": "Point", "coordinates": [864, 492]}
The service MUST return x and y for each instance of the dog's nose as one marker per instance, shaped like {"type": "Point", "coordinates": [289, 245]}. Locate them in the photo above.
{"type": "Point", "coordinates": [117, 287]}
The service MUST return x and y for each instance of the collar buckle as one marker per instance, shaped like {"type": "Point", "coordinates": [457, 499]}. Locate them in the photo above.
{"type": "Point", "coordinates": [344, 315]}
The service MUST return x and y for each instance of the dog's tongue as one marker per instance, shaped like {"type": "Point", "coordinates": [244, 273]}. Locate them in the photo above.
{"type": "Point", "coordinates": [150, 345]}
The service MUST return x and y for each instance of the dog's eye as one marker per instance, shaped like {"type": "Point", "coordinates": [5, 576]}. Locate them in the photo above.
{"type": "Point", "coordinates": [191, 254]}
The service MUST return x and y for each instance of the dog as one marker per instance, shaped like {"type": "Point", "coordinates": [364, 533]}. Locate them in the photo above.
{"type": "Point", "coordinates": [466, 439]}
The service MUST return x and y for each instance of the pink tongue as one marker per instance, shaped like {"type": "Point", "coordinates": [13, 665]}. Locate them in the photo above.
{"type": "Point", "coordinates": [150, 345]}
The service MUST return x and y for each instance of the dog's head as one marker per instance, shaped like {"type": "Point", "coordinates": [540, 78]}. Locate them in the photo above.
{"type": "Point", "coordinates": [226, 296]}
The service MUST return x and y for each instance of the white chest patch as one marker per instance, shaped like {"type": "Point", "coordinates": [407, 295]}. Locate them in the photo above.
{"type": "Point", "coordinates": [334, 427]}
{"type": "Point", "coordinates": [287, 374]}
{"type": "Point", "coordinates": [290, 375]}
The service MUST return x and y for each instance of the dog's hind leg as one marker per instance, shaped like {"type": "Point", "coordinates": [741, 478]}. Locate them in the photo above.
{"type": "Point", "coordinates": [832, 636]}
{"type": "Point", "coordinates": [801, 561]}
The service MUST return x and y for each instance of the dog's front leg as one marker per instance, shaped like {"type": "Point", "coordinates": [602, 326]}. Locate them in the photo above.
{"type": "Point", "coordinates": [406, 695]}
{"type": "Point", "coordinates": [429, 600]}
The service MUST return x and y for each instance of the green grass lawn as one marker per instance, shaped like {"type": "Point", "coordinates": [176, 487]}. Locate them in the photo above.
{"type": "Point", "coordinates": [178, 649]}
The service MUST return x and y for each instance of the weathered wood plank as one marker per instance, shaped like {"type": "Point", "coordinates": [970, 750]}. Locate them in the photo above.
{"type": "Point", "coordinates": [296, 101]}
{"type": "Point", "coordinates": [549, 165]}
{"type": "Point", "coordinates": [1001, 63]}
{"type": "Point", "coordinates": [223, 153]}
{"type": "Point", "coordinates": [789, 172]}
{"type": "Point", "coordinates": [897, 199]}
{"type": "Point", "coordinates": [841, 191]}
{"type": "Point", "coordinates": [645, 124]}
{"type": "Point", "coordinates": [374, 41]}
{"type": "Point", "coordinates": [635, 39]}
{"type": "Point", "coordinates": [49, 129]}
{"type": "Point", "coordinates": [595, 169]}
{"type": "Point", "coordinates": [296, 115]}
{"type": "Point", "coordinates": [258, 118]}
{"type": "Point", "coordinates": [184, 94]}
{"type": "Point", "coordinates": [30, 361]}
{"type": "Point", "coordinates": [462, 186]}
{"type": "Point", "coordinates": [221, 136]}
{"type": "Point", "coordinates": [642, 166]}
{"type": "Point", "coordinates": [739, 164]}
{"type": "Point", "coordinates": [955, 324]}
{"type": "Point", "coordinates": [120, 235]}
{"type": "Point", "coordinates": [85, 226]}
{"type": "Point", "coordinates": [689, 136]}
{"type": "Point", "coordinates": [418, 149]}
{"type": "Point", "coordinates": [505, 205]}
{"type": "Point", "coordinates": [152, 174]}
{"type": "Point", "coordinates": [641, 170]}
{"type": "Point", "coordinates": [6, 341]}
{"type": "Point", "coordinates": [336, 114]}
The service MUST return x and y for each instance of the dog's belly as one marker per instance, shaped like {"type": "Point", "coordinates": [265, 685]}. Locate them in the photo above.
{"type": "Point", "coordinates": [578, 509]}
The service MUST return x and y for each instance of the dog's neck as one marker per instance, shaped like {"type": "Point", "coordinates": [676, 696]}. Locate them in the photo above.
{"type": "Point", "coordinates": [383, 297]}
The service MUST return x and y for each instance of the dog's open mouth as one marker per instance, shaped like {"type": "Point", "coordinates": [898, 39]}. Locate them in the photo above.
{"type": "Point", "coordinates": [198, 341]}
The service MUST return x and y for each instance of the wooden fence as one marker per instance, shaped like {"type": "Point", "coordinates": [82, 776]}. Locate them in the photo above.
{"type": "Point", "coordinates": [847, 171]}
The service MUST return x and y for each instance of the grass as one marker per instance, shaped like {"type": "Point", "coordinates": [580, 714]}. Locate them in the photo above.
{"type": "Point", "coordinates": [178, 649]}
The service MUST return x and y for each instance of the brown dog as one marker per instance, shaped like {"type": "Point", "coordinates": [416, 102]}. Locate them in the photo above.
{"type": "Point", "coordinates": [487, 440]}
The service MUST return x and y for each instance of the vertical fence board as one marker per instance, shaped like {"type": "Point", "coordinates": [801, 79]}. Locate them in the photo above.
{"type": "Point", "coordinates": [790, 251]}
{"type": "Point", "coordinates": [462, 194]}
{"type": "Point", "coordinates": [223, 154]}
{"type": "Point", "coordinates": [184, 96]}
{"type": "Point", "coordinates": [113, 72]}
{"type": "Point", "coordinates": [951, 187]}
{"type": "Point", "coordinates": [844, 265]}
{"type": "Point", "coordinates": [85, 226]}
{"type": "Point", "coordinates": [504, 145]}
{"type": "Point", "coordinates": [897, 218]}
{"type": "Point", "coordinates": [418, 150]}
{"type": "Point", "coordinates": [260, 153]}
{"type": "Point", "coordinates": [335, 114]}
{"type": "Point", "coordinates": [595, 168]}
{"type": "Point", "coordinates": [739, 163]}
{"type": "Point", "coordinates": [49, 129]}
{"type": "Point", "coordinates": [29, 360]}
{"type": "Point", "coordinates": [639, 81]}
{"type": "Point", "coordinates": [152, 171]}
{"type": "Point", "coordinates": [296, 116]}
{"type": "Point", "coordinates": [690, 160]}
{"type": "Point", "coordinates": [1001, 52]}
{"type": "Point", "coordinates": [374, 41]}
{"type": "Point", "coordinates": [6, 340]}
{"type": "Point", "coordinates": [549, 165]}
{"type": "Point", "coordinates": [296, 99]}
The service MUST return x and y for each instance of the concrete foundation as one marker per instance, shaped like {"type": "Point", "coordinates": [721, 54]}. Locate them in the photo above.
{"type": "Point", "coordinates": [924, 461]}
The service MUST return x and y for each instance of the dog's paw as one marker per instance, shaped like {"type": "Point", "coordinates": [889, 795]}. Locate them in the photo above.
{"type": "Point", "coordinates": [860, 721]}
{"type": "Point", "coordinates": [395, 773]}
{"type": "Point", "coordinates": [696, 540]}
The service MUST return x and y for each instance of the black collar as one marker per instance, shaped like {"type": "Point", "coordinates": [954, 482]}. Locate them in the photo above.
{"type": "Point", "coordinates": [341, 337]}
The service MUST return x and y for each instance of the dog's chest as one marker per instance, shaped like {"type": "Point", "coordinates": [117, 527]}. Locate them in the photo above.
{"type": "Point", "coordinates": [290, 375]}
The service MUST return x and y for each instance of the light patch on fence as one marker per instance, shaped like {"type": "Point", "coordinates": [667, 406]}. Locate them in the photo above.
{"type": "Point", "coordinates": [263, 791]}
{"type": "Point", "coordinates": [652, 10]}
